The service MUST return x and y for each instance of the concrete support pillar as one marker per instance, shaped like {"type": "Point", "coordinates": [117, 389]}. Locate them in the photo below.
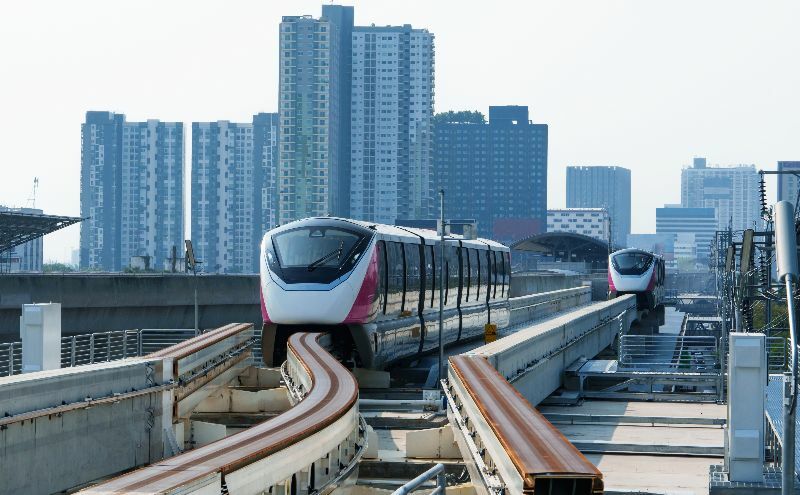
{"type": "Point", "coordinates": [40, 332]}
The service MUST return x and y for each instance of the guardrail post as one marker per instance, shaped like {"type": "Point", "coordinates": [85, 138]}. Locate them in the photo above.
{"type": "Point", "coordinates": [72, 351]}
{"type": "Point", "coordinates": [124, 344]}
{"type": "Point", "coordinates": [108, 346]}
{"type": "Point", "coordinates": [11, 359]}
{"type": "Point", "coordinates": [91, 348]}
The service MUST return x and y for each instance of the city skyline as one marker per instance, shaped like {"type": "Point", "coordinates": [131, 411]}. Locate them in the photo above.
{"type": "Point", "coordinates": [722, 91]}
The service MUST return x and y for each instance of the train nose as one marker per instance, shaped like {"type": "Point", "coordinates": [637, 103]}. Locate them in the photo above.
{"type": "Point", "coordinates": [309, 306]}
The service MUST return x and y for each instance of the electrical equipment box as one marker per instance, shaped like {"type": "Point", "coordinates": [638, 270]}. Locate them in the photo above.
{"type": "Point", "coordinates": [40, 330]}
{"type": "Point", "coordinates": [746, 400]}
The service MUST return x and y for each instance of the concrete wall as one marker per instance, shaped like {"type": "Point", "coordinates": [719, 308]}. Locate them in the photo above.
{"type": "Point", "coordinates": [534, 359]}
{"type": "Point", "coordinates": [52, 453]}
{"type": "Point", "coordinates": [101, 302]}
{"type": "Point", "coordinates": [525, 283]}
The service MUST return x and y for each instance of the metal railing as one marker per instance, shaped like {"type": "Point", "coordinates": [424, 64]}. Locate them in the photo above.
{"type": "Point", "coordinates": [10, 358]}
{"type": "Point", "coordinates": [436, 472]}
{"type": "Point", "coordinates": [669, 352]}
{"type": "Point", "coordinates": [777, 349]}
{"type": "Point", "coordinates": [99, 347]}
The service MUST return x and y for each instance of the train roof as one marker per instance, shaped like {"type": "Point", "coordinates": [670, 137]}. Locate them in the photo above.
{"type": "Point", "coordinates": [406, 234]}
{"type": "Point", "coordinates": [634, 250]}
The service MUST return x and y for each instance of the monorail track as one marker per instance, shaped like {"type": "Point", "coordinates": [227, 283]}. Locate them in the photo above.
{"type": "Point", "coordinates": [332, 396]}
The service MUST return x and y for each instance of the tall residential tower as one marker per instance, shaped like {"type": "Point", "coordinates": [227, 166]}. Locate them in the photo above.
{"type": "Point", "coordinates": [233, 191]}
{"type": "Point", "coordinates": [391, 133]}
{"type": "Point", "coordinates": [131, 191]}
{"type": "Point", "coordinates": [313, 170]}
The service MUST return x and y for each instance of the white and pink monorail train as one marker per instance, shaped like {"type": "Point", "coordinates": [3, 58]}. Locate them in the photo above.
{"type": "Point", "coordinates": [375, 288]}
{"type": "Point", "coordinates": [633, 271]}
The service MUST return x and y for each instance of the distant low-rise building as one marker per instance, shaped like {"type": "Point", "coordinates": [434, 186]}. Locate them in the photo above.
{"type": "Point", "coordinates": [701, 223]}
{"type": "Point", "coordinates": [592, 222]}
{"type": "Point", "coordinates": [25, 257]}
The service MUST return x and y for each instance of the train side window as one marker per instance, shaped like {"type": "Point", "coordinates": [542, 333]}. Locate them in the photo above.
{"type": "Point", "coordinates": [478, 268]}
{"type": "Point", "coordinates": [495, 273]}
{"type": "Point", "coordinates": [507, 257]}
{"type": "Point", "coordinates": [501, 273]}
{"type": "Point", "coordinates": [483, 263]}
{"type": "Point", "coordinates": [396, 278]}
{"type": "Point", "coordinates": [382, 276]}
{"type": "Point", "coordinates": [413, 277]}
{"type": "Point", "coordinates": [459, 273]}
{"type": "Point", "coordinates": [467, 272]}
{"type": "Point", "coordinates": [451, 289]}
{"type": "Point", "coordinates": [430, 276]}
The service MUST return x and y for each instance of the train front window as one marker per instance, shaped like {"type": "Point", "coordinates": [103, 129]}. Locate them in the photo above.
{"type": "Point", "coordinates": [316, 254]}
{"type": "Point", "coordinates": [632, 263]}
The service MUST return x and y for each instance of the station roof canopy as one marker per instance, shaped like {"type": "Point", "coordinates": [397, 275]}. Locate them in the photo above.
{"type": "Point", "coordinates": [565, 246]}
{"type": "Point", "coordinates": [18, 228]}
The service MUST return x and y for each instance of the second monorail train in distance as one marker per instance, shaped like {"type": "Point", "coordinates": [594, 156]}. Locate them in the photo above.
{"type": "Point", "coordinates": [634, 271]}
{"type": "Point", "coordinates": [375, 288]}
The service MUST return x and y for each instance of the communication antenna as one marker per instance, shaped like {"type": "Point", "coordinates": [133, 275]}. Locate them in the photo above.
{"type": "Point", "coordinates": [32, 199]}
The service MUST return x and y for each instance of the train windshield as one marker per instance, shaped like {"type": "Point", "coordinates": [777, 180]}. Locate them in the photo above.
{"type": "Point", "coordinates": [316, 254]}
{"type": "Point", "coordinates": [632, 263]}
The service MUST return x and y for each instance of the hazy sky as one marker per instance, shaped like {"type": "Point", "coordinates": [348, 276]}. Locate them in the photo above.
{"type": "Point", "coordinates": [641, 84]}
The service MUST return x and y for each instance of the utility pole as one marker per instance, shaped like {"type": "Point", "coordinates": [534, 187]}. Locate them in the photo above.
{"type": "Point", "coordinates": [191, 262]}
{"type": "Point", "coordinates": [786, 254]}
{"type": "Point", "coordinates": [442, 281]}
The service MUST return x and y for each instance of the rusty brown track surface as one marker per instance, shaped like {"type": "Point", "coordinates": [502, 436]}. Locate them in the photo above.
{"type": "Point", "coordinates": [334, 391]}
{"type": "Point", "coordinates": [535, 446]}
{"type": "Point", "coordinates": [188, 347]}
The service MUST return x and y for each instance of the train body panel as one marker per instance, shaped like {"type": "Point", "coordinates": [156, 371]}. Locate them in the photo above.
{"type": "Point", "coordinates": [634, 271]}
{"type": "Point", "coordinates": [376, 287]}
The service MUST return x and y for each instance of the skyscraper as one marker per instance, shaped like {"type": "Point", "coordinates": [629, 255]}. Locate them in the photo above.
{"type": "Point", "coordinates": [392, 110]}
{"type": "Point", "coordinates": [131, 191]}
{"type": "Point", "coordinates": [788, 184]}
{"type": "Point", "coordinates": [313, 172]}
{"type": "Point", "coordinates": [732, 191]}
{"type": "Point", "coordinates": [495, 173]}
{"type": "Point", "coordinates": [233, 191]}
{"type": "Point", "coordinates": [603, 187]}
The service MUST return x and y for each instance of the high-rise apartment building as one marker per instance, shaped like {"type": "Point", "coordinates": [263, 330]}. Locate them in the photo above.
{"type": "Point", "coordinates": [391, 123]}
{"type": "Point", "coordinates": [732, 191]}
{"type": "Point", "coordinates": [788, 184]}
{"type": "Point", "coordinates": [603, 187]}
{"type": "Point", "coordinates": [233, 191]}
{"type": "Point", "coordinates": [131, 191]}
{"type": "Point", "coordinates": [688, 226]}
{"type": "Point", "coordinates": [495, 173]}
{"type": "Point", "coordinates": [313, 169]}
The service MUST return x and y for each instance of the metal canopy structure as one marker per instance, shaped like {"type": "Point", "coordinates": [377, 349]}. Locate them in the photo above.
{"type": "Point", "coordinates": [565, 246]}
{"type": "Point", "coordinates": [18, 228]}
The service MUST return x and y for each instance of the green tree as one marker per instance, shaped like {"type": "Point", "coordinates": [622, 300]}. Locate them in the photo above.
{"type": "Point", "coordinates": [54, 267]}
{"type": "Point", "coordinates": [459, 117]}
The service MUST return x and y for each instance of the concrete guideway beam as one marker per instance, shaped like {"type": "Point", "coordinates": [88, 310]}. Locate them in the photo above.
{"type": "Point", "coordinates": [104, 418]}
{"type": "Point", "coordinates": [311, 446]}
{"type": "Point", "coordinates": [506, 443]}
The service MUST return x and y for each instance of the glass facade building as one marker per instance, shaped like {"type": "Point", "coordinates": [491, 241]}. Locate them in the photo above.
{"type": "Point", "coordinates": [788, 184]}
{"type": "Point", "coordinates": [495, 173]}
{"type": "Point", "coordinates": [699, 224]}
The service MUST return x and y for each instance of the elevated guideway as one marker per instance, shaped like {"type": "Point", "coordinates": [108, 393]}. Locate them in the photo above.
{"type": "Point", "coordinates": [314, 444]}
{"type": "Point", "coordinates": [508, 446]}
